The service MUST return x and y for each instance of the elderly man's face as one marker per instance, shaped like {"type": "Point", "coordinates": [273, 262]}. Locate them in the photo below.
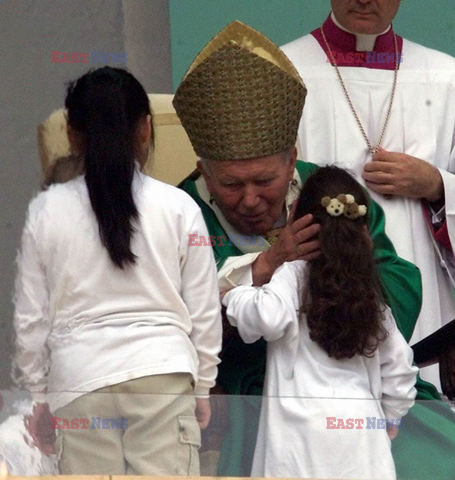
{"type": "Point", "coordinates": [250, 193]}
{"type": "Point", "coordinates": [365, 16]}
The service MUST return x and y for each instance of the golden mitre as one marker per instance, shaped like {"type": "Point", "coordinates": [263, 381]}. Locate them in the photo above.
{"type": "Point", "coordinates": [241, 97]}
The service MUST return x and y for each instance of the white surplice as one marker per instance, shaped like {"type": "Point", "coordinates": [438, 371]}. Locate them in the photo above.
{"type": "Point", "coordinates": [422, 124]}
{"type": "Point", "coordinates": [307, 393]}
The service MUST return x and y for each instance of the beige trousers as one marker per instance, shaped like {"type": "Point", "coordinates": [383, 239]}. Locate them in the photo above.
{"type": "Point", "coordinates": [132, 428]}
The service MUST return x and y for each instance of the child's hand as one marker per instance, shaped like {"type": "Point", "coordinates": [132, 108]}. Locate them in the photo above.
{"type": "Point", "coordinates": [203, 412]}
{"type": "Point", "coordinates": [392, 431]}
{"type": "Point", "coordinates": [39, 425]}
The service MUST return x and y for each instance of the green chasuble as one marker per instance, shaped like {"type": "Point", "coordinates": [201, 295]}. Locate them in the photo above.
{"type": "Point", "coordinates": [425, 446]}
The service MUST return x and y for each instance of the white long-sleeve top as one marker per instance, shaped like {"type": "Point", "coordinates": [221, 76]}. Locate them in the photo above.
{"type": "Point", "coordinates": [304, 386]}
{"type": "Point", "coordinates": [82, 323]}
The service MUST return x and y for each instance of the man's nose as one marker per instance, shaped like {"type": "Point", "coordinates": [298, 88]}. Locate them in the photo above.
{"type": "Point", "coordinates": [250, 197]}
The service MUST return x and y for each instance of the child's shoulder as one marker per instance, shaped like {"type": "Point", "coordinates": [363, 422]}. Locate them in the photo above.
{"type": "Point", "coordinates": [388, 318]}
{"type": "Point", "coordinates": [297, 267]}
{"type": "Point", "coordinates": [169, 196]}
{"type": "Point", "coordinates": [292, 273]}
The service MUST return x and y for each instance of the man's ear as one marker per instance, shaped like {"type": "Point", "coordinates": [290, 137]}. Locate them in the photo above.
{"type": "Point", "coordinates": [202, 169]}
{"type": "Point", "coordinates": [293, 156]}
{"type": "Point", "coordinates": [292, 161]}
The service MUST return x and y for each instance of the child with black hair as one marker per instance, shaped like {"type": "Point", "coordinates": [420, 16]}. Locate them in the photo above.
{"type": "Point", "coordinates": [117, 316]}
{"type": "Point", "coordinates": [339, 374]}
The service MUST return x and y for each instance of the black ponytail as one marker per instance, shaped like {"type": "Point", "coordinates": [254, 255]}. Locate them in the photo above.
{"type": "Point", "coordinates": [104, 107]}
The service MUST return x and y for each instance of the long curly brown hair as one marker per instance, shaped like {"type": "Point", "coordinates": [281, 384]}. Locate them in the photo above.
{"type": "Point", "coordinates": [343, 301]}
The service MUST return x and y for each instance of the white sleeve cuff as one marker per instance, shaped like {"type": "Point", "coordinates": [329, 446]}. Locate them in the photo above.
{"type": "Point", "coordinates": [237, 271]}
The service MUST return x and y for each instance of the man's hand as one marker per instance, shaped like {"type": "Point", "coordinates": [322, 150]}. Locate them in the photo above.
{"type": "Point", "coordinates": [39, 425]}
{"type": "Point", "coordinates": [393, 173]}
{"type": "Point", "coordinates": [203, 412]}
{"type": "Point", "coordinates": [296, 241]}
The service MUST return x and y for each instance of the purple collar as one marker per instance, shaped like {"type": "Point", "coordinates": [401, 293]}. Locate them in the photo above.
{"type": "Point", "coordinates": [342, 46]}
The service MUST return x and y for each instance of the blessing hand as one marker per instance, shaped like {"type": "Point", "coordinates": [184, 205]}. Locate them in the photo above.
{"type": "Point", "coordinates": [297, 241]}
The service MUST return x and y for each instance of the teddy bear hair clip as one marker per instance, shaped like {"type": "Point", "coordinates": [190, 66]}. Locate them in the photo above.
{"type": "Point", "coordinates": [343, 204]}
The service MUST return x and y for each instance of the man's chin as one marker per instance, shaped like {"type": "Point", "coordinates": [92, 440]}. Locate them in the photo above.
{"type": "Point", "coordinates": [254, 228]}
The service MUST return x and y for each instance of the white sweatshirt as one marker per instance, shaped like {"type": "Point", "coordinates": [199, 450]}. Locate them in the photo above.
{"type": "Point", "coordinates": [82, 323]}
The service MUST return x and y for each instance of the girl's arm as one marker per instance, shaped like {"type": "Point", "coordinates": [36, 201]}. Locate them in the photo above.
{"type": "Point", "coordinates": [397, 372]}
{"type": "Point", "coordinates": [201, 296]}
{"type": "Point", "coordinates": [31, 361]}
{"type": "Point", "coordinates": [32, 326]}
{"type": "Point", "coordinates": [269, 311]}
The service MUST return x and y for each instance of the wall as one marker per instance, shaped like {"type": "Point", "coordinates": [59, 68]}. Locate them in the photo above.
{"type": "Point", "coordinates": [31, 87]}
{"type": "Point", "coordinates": [194, 22]}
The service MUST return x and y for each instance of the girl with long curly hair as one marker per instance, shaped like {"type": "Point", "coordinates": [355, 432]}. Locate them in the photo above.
{"type": "Point", "coordinates": [339, 374]}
